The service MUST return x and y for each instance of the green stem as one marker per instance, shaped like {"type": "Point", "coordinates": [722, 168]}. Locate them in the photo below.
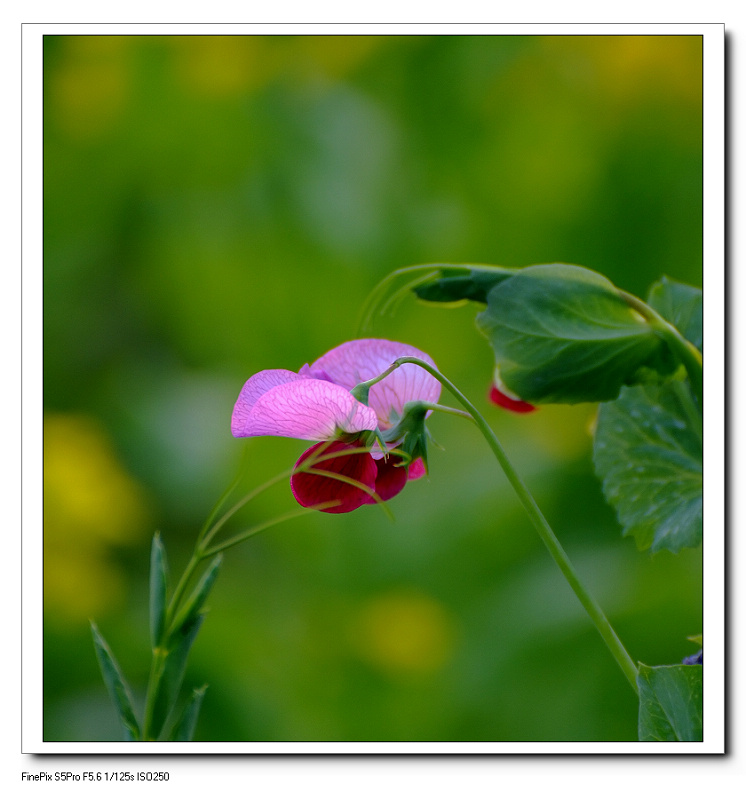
{"type": "Point", "coordinates": [376, 301]}
{"type": "Point", "coordinates": [687, 353]}
{"type": "Point", "coordinates": [223, 497]}
{"type": "Point", "coordinates": [690, 357]}
{"type": "Point", "coordinates": [197, 557]}
{"type": "Point", "coordinates": [205, 540]}
{"type": "Point", "coordinates": [159, 651]}
{"type": "Point", "coordinates": [457, 412]}
{"type": "Point", "coordinates": [545, 532]}
{"type": "Point", "coordinates": [154, 679]}
{"type": "Point", "coordinates": [201, 552]}
{"type": "Point", "coordinates": [247, 534]}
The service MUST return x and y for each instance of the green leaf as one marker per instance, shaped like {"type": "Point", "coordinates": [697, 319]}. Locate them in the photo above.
{"type": "Point", "coordinates": [670, 703]}
{"type": "Point", "coordinates": [158, 586]}
{"type": "Point", "coordinates": [564, 334]}
{"type": "Point", "coordinates": [681, 305]}
{"type": "Point", "coordinates": [184, 729]}
{"type": "Point", "coordinates": [455, 284]}
{"type": "Point", "coordinates": [172, 673]}
{"type": "Point", "coordinates": [115, 684]}
{"type": "Point", "coordinates": [649, 459]}
{"type": "Point", "coordinates": [196, 600]}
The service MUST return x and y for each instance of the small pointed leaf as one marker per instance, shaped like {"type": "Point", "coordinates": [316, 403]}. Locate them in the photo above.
{"type": "Point", "coordinates": [174, 665]}
{"type": "Point", "coordinates": [158, 588]}
{"type": "Point", "coordinates": [184, 729]}
{"type": "Point", "coordinates": [196, 600]}
{"type": "Point", "coordinates": [116, 685]}
{"type": "Point", "coordinates": [462, 283]}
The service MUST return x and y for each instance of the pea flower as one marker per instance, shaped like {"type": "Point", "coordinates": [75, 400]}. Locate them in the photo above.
{"type": "Point", "coordinates": [346, 466]}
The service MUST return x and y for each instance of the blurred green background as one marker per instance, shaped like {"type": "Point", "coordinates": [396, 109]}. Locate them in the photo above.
{"type": "Point", "coordinates": [215, 206]}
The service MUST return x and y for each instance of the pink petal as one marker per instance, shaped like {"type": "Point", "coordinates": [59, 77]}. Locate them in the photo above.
{"type": "Point", "coordinates": [416, 470]}
{"type": "Point", "coordinates": [311, 490]}
{"type": "Point", "coordinates": [510, 402]}
{"type": "Point", "coordinates": [362, 359]}
{"type": "Point", "coordinates": [252, 390]}
{"type": "Point", "coordinates": [304, 409]}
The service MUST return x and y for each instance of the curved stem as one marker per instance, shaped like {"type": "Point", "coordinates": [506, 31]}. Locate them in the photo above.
{"type": "Point", "coordinates": [247, 534]}
{"type": "Point", "coordinates": [688, 354]}
{"type": "Point", "coordinates": [376, 302]}
{"type": "Point", "coordinates": [594, 611]}
{"type": "Point", "coordinates": [223, 497]}
{"type": "Point", "coordinates": [201, 549]}
{"type": "Point", "coordinates": [205, 540]}
{"type": "Point", "coordinates": [690, 357]}
{"type": "Point", "coordinates": [457, 412]}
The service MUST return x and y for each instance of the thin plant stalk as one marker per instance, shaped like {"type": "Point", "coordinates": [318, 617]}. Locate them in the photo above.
{"type": "Point", "coordinates": [688, 354]}
{"type": "Point", "coordinates": [202, 551]}
{"type": "Point", "coordinates": [547, 535]}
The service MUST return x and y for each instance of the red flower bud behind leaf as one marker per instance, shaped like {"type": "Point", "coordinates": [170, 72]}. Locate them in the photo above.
{"type": "Point", "coordinates": [515, 404]}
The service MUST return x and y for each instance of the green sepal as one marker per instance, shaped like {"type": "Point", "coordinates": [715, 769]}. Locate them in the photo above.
{"type": "Point", "coordinates": [679, 304]}
{"type": "Point", "coordinates": [454, 284]}
{"type": "Point", "coordinates": [158, 589]}
{"type": "Point", "coordinates": [371, 438]}
{"type": "Point", "coordinates": [116, 685]}
{"type": "Point", "coordinates": [196, 600]}
{"type": "Point", "coordinates": [361, 393]}
{"type": "Point", "coordinates": [183, 730]}
{"type": "Point", "coordinates": [670, 703]}
{"type": "Point", "coordinates": [696, 639]}
{"type": "Point", "coordinates": [173, 667]}
{"type": "Point", "coordinates": [565, 334]}
{"type": "Point", "coordinates": [647, 452]}
{"type": "Point", "coordinates": [412, 432]}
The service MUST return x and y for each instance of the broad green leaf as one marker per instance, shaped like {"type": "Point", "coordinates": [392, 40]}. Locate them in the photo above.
{"type": "Point", "coordinates": [681, 305]}
{"type": "Point", "coordinates": [158, 586]}
{"type": "Point", "coordinates": [196, 600]}
{"type": "Point", "coordinates": [670, 703]}
{"type": "Point", "coordinates": [115, 684]}
{"type": "Point", "coordinates": [462, 283]}
{"type": "Point", "coordinates": [184, 729]}
{"type": "Point", "coordinates": [172, 674]}
{"type": "Point", "coordinates": [564, 334]}
{"type": "Point", "coordinates": [648, 454]}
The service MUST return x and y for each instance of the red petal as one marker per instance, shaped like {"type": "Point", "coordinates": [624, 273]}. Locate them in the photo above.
{"type": "Point", "coordinates": [511, 404]}
{"type": "Point", "coordinates": [390, 481]}
{"type": "Point", "coordinates": [311, 490]}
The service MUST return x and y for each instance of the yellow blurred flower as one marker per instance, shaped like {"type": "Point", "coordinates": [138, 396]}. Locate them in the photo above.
{"type": "Point", "coordinates": [90, 90]}
{"type": "Point", "coordinates": [404, 631]}
{"type": "Point", "coordinates": [221, 66]}
{"type": "Point", "coordinates": [90, 504]}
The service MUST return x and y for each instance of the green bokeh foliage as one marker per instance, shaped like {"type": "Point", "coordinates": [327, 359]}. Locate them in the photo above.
{"type": "Point", "coordinates": [219, 205]}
